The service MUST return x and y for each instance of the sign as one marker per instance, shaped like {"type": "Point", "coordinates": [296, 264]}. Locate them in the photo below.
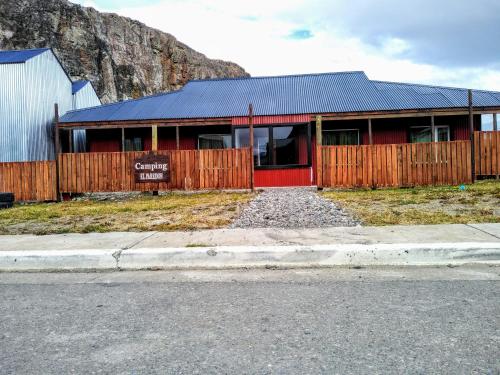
{"type": "Point", "coordinates": [152, 168]}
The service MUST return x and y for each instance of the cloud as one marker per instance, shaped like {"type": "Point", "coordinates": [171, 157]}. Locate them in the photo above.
{"type": "Point", "coordinates": [445, 42]}
{"type": "Point", "coordinates": [446, 33]}
{"type": "Point", "coordinates": [300, 34]}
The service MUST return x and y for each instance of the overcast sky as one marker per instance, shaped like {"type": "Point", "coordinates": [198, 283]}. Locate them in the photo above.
{"type": "Point", "coordinates": [443, 42]}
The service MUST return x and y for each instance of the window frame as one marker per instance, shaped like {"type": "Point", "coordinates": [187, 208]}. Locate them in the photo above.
{"type": "Point", "coordinates": [271, 143]}
{"type": "Point", "coordinates": [436, 127]}
{"type": "Point", "coordinates": [340, 130]}
{"type": "Point", "coordinates": [223, 135]}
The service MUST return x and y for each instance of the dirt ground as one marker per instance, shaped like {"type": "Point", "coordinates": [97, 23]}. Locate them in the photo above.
{"type": "Point", "coordinates": [476, 203]}
{"type": "Point", "coordinates": [141, 213]}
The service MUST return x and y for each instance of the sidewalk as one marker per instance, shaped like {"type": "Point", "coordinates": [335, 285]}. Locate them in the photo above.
{"type": "Point", "coordinates": [231, 248]}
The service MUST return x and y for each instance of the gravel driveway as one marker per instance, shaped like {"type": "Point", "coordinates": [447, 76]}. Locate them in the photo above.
{"type": "Point", "coordinates": [292, 208]}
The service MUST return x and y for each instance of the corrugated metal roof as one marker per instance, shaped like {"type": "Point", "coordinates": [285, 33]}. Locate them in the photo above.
{"type": "Point", "coordinates": [78, 85]}
{"type": "Point", "coordinates": [20, 56]}
{"type": "Point", "coordinates": [283, 95]}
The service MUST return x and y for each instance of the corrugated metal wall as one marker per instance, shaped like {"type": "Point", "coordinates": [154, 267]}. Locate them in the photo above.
{"type": "Point", "coordinates": [267, 120]}
{"type": "Point", "coordinates": [28, 93]}
{"type": "Point", "coordinates": [83, 98]}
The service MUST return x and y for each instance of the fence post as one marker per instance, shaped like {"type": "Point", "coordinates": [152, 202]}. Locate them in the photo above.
{"type": "Point", "coordinates": [319, 153]}
{"type": "Point", "coordinates": [471, 129]}
{"type": "Point", "coordinates": [250, 130]}
{"type": "Point", "coordinates": [57, 151]}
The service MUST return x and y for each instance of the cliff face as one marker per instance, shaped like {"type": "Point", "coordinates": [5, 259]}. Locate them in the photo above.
{"type": "Point", "coordinates": [123, 58]}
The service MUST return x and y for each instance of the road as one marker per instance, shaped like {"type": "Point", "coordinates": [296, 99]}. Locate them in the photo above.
{"type": "Point", "coordinates": [337, 321]}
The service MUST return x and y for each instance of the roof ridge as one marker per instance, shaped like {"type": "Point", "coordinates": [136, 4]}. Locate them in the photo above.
{"type": "Point", "coordinates": [125, 101]}
{"type": "Point", "coordinates": [24, 50]}
{"type": "Point", "coordinates": [276, 76]}
{"type": "Point", "coordinates": [433, 86]}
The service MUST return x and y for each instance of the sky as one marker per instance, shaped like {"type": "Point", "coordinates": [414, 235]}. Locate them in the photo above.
{"type": "Point", "coordinates": [441, 42]}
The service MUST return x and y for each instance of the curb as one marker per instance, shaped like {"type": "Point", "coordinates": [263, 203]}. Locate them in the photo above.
{"type": "Point", "coordinates": [231, 257]}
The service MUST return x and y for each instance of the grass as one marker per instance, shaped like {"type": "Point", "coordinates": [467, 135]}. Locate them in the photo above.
{"type": "Point", "coordinates": [478, 203]}
{"type": "Point", "coordinates": [144, 213]}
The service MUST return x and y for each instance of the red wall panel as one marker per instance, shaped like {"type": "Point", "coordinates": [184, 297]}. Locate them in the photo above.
{"type": "Point", "coordinates": [267, 120]}
{"type": "Point", "coordinates": [283, 177]}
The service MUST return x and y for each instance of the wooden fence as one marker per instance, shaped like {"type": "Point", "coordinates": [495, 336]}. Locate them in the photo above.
{"type": "Point", "coordinates": [190, 169]}
{"type": "Point", "coordinates": [396, 165]}
{"type": "Point", "coordinates": [487, 153]}
{"type": "Point", "coordinates": [29, 181]}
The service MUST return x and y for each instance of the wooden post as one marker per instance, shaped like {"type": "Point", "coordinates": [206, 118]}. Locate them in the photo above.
{"type": "Point", "coordinates": [495, 126]}
{"type": "Point", "coordinates": [177, 138]}
{"type": "Point", "coordinates": [70, 140]}
{"type": "Point", "coordinates": [154, 138]}
{"type": "Point", "coordinates": [433, 130]}
{"type": "Point", "coordinates": [250, 129]}
{"type": "Point", "coordinates": [123, 139]}
{"type": "Point", "coordinates": [471, 129]}
{"type": "Point", "coordinates": [319, 153]}
{"type": "Point", "coordinates": [370, 133]}
{"type": "Point", "coordinates": [57, 150]}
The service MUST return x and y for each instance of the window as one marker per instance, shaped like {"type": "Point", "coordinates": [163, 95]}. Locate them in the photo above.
{"type": "Point", "coordinates": [276, 145]}
{"type": "Point", "coordinates": [486, 122]}
{"type": "Point", "coordinates": [214, 141]}
{"type": "Point", "coordinates": [341, 137]}
{"type": "Point", "coordinates": [133, 144]}
{"type": "Point", "coordinates": [420, 134]}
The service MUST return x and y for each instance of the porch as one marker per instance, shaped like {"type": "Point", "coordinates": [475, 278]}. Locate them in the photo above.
{"type": "Point", "coordinates": [283, 146]}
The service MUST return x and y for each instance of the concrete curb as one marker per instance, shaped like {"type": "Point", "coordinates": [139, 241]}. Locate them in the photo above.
{"type": "Point", "coordinates": [230, 257]}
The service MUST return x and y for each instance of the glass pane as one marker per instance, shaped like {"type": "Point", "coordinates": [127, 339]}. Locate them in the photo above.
{"type": "Point", "coordinates": [290, 145]}
{"type": "Point", "coordinates": [241, 137]}
{"type": "Point", "coordinates": [137, 144]}
{"type": "Point", "coordinates": [420, 135]}
{"type": "Point", "coordinates": [261, 147]}
{"type": "Point", "coordinates": [442, 134]}
{"type": "Point", "coordinates": [486, 122]}
{"type": "Point", "coordinates": [214, 141]}
{"type": "Point", "coordinates": [340, 137]}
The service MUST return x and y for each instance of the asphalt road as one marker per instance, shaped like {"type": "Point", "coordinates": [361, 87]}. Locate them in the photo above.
{"type": "Point", "coordinates": [339, 321]}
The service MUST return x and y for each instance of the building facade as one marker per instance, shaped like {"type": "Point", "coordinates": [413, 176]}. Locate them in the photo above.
{"type": "Point", "coordinates": [214, 114]}
{"type": "Point", "coordinates": [31, 82]}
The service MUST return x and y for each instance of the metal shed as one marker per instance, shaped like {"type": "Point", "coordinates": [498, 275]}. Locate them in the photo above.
{"type": "Point", "coordinates": [31, 82]}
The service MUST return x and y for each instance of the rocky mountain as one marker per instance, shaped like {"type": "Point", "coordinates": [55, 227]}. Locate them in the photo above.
{"type": "Point", "coordinates": [123, 58]}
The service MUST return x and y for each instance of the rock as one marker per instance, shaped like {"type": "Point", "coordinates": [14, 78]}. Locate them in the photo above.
{"type": "Point", "coordinates": [123, 58]}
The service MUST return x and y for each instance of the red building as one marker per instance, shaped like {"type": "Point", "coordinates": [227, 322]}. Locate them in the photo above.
{"type": "Point", "coordinates": [214, 114]}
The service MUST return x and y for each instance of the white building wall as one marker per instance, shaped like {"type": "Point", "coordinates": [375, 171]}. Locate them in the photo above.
{"type": "Point", "coordinates": [28, 92]}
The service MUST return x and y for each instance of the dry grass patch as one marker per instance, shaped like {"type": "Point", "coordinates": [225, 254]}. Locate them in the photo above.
{"type": "Point", "coordinates": [478, 203]}
{"type": "Point", "coordinates": [144, 213]}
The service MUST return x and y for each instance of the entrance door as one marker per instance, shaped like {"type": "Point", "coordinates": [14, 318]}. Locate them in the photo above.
{"type": "Point", "coordinates": [282, 154]}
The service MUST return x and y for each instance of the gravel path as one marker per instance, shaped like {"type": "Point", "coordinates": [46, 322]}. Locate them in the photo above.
{"type": "Point", "coordinates": [292, 208]}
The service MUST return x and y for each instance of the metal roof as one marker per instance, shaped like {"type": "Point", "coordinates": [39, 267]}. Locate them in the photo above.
{"type": "Point", "coordinates": [20, 56]}
{"type": "Point", "coordinates": [283, 95]}
{"type": "Point", "coordinates": [78, 85]}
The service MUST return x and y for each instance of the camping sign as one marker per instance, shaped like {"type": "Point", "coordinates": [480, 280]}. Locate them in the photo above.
{"type": "Point", "coordinates": [152, 168]}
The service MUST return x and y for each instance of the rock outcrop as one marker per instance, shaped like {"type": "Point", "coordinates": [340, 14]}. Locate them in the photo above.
{"type": "Point", "coordinates": [123, 58]}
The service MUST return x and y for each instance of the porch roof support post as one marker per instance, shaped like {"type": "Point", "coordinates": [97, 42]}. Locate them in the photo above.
{"type": "Point", "coordinates": [250, 129]}
{"type": "Point", "coordinates": [471, 130]}
{"type": "Point", "coordinates": [433, 129]}
{"type": "Point", "coordinates": [495, 125]}
{"type": "Point", "coordinates": [319, 154]}
{"type": "Point", "coordinates": [123, 139]}
{"type": "Point", "coordinates": [154, 138]}
{"type": "Point", "coordinates": [177, 138]}
{"type": "Point", "coordinates": [70, 140]}
{"type": "Point", "coordinates": [370, 133]}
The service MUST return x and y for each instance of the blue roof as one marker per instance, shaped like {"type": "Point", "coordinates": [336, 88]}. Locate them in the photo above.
{"type": "Point", "coordinates": [283, 95]}
{"type": "Point", "coordinates": [21, 56]}
{"type": "Point", "coordinates": [78, 85]}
